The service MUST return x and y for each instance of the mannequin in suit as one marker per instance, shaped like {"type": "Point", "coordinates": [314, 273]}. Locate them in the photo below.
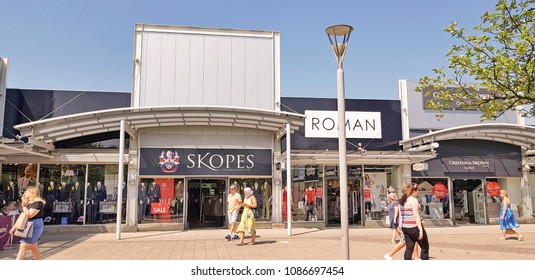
{"type": "Point", "coordinates": [154, 192]}
{"type": "Point", "coordinates": [100, 196]}
{"type": "Point", "coordinates": [76, 195]}
{"type": "Point", "coordinates": [12, 192]}
{"type": "Point", "coordinates": [142, 198]}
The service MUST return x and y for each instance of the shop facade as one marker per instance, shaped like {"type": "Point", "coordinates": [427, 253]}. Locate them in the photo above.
{"type": "Point", "coordinates": [474, 161]}
{"type": "Point", "coordinates": [206, 112]}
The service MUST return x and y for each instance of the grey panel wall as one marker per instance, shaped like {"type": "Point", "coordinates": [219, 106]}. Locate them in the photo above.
{"type": "Point", "coordinates": [206, 137]}
{"type": "Point", "coordinates": [207, 67]}
{"type": "Point", "coordinates": [420, 118]}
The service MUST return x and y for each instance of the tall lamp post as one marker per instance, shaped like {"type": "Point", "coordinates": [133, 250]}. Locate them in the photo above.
{"type": "Point", "coordinates": [339, 37]}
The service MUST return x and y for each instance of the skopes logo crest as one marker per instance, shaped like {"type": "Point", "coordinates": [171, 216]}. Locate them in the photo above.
{"type": "Point", "coordinates": [169, 161]}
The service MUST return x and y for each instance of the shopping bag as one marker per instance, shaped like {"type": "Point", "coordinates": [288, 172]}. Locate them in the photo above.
{"type": "Point", "coordinates": [27, 232]}
{"type": "Point", "coordinates": [22, 220]}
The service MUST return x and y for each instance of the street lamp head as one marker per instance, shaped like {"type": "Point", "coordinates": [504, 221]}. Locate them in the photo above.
{"type": "Point", "coordinates": [339, 37]}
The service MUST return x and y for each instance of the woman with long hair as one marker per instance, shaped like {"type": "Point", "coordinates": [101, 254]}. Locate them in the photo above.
{"type": "Point", "coordinates": [412, 227]}
{"type": "Point", "coordinates": [507, 217]}
{"type": "Point", "coordinates": [33, 203]}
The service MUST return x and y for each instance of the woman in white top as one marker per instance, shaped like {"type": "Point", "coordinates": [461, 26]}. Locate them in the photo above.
{"type": "Point", "coordinates": [412, 227]}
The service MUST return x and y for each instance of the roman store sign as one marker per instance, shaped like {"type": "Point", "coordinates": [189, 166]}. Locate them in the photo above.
{"type": "Point", "coordinates": [223, 162]}
{"type": "Point", "coordinates": [324, 124]}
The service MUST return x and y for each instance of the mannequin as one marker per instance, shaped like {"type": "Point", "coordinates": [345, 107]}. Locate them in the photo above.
{"type": "Point", "coordinates": [50, 195]}
{"type": "Point", "coordinates": [267, 203]}
{"type": "Point", "coordinates": [100, 195]}
{"type": "Point", "coordinates": [90, 205]}
{"type": "Point", "coordinates": [154, 192]}
{"type": "Point", "coordinates": [142, 198]}
{"type": "Point", "coordinates": [76, 195]}
{"type": "Point", "coordinates": [310, 197]}
{"type": "Point", "coordinates": [12, 192]}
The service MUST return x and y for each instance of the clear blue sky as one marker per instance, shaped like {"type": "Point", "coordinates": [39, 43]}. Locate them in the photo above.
{"type": "Point", "coordinates": [88, 45]}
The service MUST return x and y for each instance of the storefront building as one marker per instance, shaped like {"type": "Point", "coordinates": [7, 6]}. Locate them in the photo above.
{"type": "Point", "coordinates": [206, 112]}
{"type": "Point", "coordinates": [474, 161]}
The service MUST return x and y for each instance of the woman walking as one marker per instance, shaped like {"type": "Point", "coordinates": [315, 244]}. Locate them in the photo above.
{"type": "Point", "coordinates": [507, 217]}
{"type": "Point", "coordinates": [412, 227]}
{"type": "Point", "coordinates": [33, 203]}
{"type": "Point", "coordinates": [247, 217]}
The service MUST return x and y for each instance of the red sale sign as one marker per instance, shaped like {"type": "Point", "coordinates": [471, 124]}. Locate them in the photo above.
{"type": "Point", "coordinates": [440, 191]}
{"type": "Point", "coordinates": [159, 208]}
{"type": "Point", "coordinates": [493, 188]}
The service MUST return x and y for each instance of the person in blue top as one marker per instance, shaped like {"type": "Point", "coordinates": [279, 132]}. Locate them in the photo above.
{"type": "Point", "coordinates": [507, 217]}
{"type": "Point", "coordinates": [393, 214]}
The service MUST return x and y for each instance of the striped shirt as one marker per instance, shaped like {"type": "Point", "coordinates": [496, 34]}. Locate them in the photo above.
{"type": "Point", "coordinates": [407, 216]}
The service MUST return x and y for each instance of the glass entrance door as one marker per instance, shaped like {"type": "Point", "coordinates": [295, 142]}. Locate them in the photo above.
{"type": "Point", "coordinates": [206, 206]}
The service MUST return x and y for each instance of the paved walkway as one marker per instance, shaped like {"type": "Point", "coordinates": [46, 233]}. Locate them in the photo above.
{"type": "Point", "coordinates": [465, 242]}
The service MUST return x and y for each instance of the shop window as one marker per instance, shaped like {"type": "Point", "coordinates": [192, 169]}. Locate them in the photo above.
{"type": "Point", "coordinates": [161, 200]}
{"type": "Point", "coordinates": [434, 199]}
{"type": "Point", "coordinates": [262, 190]}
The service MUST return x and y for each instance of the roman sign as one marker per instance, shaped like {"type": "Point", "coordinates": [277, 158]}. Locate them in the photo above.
{"type": "Point", "coordinates": [324, 124]}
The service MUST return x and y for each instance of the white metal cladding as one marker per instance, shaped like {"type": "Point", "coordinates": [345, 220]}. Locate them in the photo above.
{"type": "Point", "coordinates": [201, 66]}
{"type": "Point", "coordinates": [514, 134]}
{"type": "Point", "coordinates": [207, 137]}
{"type": "Point", "coordinates": [51, 130]}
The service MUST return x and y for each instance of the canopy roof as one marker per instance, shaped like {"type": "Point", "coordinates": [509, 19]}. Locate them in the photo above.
{"type": "Point", "coordinates": [514, 134]}
{"type": "Point", "coordinates": [44, 133]}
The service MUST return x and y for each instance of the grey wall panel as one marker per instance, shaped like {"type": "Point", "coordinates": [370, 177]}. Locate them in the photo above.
{"type": "Point", "coordinates": [251, 73]}
{"type": "Point", "coordinates": [182, 73]}
{"type": "Point", "coordinates": [208, 67]}
{"type": "Point", "coordinates": [420, 118]}
{"type": "Point", "coordinates": [224, 70]}
{"type": "Point", "coordinates": [206, 137]}
{"type": "Point", "coordinates": [153, 66]}
{"type": "Point", "coordinates": [168, 60]}
{"type": "Point", "coordinates": [196, 70]}
{"type": "Point", "coordinates": [266, 93]}
{"type": "Point", "coordinates": [238, 72]}
{"type": "Point", "coordinates": [210, 74]}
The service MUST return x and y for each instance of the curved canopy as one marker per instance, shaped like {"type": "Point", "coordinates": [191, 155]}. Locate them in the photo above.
{"type": "Point", "coordinates": [44, 133]}
{"type": "Point", "coordinates": [514, 134]}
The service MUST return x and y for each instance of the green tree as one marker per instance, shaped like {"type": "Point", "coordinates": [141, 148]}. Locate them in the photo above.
{"type": "Point", "coordinates": [499, 58]}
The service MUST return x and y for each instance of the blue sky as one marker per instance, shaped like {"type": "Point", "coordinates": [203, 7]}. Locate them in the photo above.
{"type": "Point", "coordinates": [88, 45]}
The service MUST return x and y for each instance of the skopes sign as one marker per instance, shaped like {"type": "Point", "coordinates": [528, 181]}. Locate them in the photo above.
{"type": "Point", "coordinates": [223, 162]}
{"type": "Point", "coordinates": [324, 124]}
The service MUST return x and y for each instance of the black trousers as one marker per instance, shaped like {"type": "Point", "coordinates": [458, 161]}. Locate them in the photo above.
{"type": "Point", "coordinates": [411, 237]}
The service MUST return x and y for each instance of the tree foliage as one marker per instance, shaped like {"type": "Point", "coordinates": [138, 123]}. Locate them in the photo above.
{"type": "Point", "coordinates": [500, 58]}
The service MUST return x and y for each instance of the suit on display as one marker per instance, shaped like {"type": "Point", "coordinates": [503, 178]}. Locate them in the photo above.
{"type": "Point", "coordinates": [12, 192]}
{"type": "Point", "coordinates": [142, 198]}
{"type": "Point", "coordinates": [154, 192]}
{"type": "Point", "coordinates": [76, 195]}
{"type": "Point", "coordinates": [99, 195]}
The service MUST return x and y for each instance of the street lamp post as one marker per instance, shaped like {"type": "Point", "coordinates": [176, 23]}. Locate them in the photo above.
{"type": "Point", "coordinates": [339, 37]}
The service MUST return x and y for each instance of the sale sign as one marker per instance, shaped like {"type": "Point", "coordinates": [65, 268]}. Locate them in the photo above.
{"type": "Point", "coordinates": [158, 208]}
{"type": "Point", "coordinates": [493, 188]}
{"type": "Point", "coordinates": [439, 190]}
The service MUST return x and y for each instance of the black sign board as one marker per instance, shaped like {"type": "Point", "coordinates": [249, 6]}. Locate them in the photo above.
{"type": "Point", "coordinates": [221, 162]}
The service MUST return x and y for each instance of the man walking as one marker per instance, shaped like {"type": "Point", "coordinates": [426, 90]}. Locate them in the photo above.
{"type": "Point", "coordinates": [233, 206]}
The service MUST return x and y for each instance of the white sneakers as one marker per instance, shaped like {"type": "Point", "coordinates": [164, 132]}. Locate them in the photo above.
{"type": "Point", "coordinates": [387, 257]}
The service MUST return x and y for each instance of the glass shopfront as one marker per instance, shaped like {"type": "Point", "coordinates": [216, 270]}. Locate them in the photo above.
{"type": "Point", "coordinates": [62, 187]}
{"type": "Point", "coordinates": [161, 200]}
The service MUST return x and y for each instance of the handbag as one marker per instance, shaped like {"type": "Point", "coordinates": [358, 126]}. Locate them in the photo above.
{"type": "Point", "coordinates": [27, 232]}
{"type": "Point", "coordinates": [22, 220]}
